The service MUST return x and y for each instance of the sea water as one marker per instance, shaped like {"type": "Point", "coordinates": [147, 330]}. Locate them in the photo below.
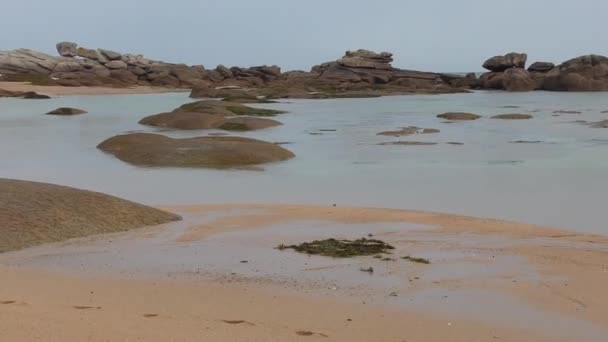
{"type": "Point", "coordinates": [560, 181]}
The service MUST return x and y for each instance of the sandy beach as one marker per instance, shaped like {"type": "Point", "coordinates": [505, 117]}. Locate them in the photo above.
{"type": "Point", "coordinates": [488, 280]}
{"type": "Point", "coordinates": [63, 91]}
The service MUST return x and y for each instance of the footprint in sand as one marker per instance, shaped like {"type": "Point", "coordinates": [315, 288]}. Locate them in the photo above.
{"type": "Point", "coordinates": [150, 315]}
{"type": "Point", "coordinates": [309, 333]}
{"type": "Point", "coordinates": [234, 322]}
{"type": "Point", "coordinates": [6, 302]}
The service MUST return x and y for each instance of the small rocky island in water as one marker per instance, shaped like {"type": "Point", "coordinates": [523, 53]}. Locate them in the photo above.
{"type": "Point", "coordinates": [360, 73]}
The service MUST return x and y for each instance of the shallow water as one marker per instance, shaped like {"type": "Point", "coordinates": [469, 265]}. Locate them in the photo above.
{"type": "Point", "coordinates": [559, 182]}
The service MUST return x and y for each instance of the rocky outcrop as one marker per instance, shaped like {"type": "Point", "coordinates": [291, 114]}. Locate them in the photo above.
{"type": "Point", "coordinates": [455, 116]}
{"type": "Point", "coordinates": [67, 111]}
{"type": "Point", "coordinates": [586, 73]}
{"type": "Point", "coordinates": [358, 73]}
{"type": "Point", "coordinates": [518, 79]}
{"type": "Point", "coordinates": [33, 213]}
{"type": "Point", "coordinates": [79, 66]}
{"type": "Point", "coordinates": [30, 95]}
{"type": "Point", "coordinates": [143, 149]}
{"type": "Point", "coordinates": [366, 59]}
{"type": "Point", "coordinates": [502, 63]}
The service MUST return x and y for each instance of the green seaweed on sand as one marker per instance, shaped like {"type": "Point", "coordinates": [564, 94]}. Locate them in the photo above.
{"type": "Point", "coordinates": [416, 260]}
{"type": "Point", "coordinates": [244, 110]}
{"type": "Point", "coordinates": [341, 248]}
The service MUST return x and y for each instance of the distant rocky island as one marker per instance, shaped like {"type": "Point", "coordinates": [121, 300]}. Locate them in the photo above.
{"type": "Point", "coordinates": [358, 73]}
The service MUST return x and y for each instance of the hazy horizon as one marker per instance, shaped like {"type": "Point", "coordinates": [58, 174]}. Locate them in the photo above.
{"type": "Point", "coordinates": [437, 36]}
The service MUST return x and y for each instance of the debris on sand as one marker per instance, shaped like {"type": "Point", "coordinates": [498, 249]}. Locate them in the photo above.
{"type": "Point", "coordinates": [416, 260]}
{"type": "Point", "coordinates": [341, 248]}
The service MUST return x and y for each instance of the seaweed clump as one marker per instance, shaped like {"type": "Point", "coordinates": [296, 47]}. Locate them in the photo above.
{"type": "Point", "coordinates": [341, 248]}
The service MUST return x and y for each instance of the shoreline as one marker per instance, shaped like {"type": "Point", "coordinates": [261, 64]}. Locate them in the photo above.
{"type": "Point", "coordinates": [65, 91]}
{"type": "Point", "coordinates": [534, 277]}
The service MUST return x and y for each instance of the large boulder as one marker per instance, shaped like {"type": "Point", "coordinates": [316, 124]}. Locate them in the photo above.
{"type": "Point", "coordinates": [586, 73]}
{"type": "Point", "coordinates": [339, 74]}
{"type": "Point", "coordinates": [502, 63]}
{"type": "Point", "coordinates": [187, 76]}
{"type": "Point", "coordinates": [367, 59]}
{"type": "Point", "coordinates": [89, 54]}
{"type": "Point", "coordinates": [111, 55]}
{"type": "Point", "coordinates": [67, 49]}
{"type": "Point", "coordinates": [518, 79]}
{"type": "Point", "coordinates": [69, 66]}
{"type": "Point", "coordinates": [116, 65]}
{"type": "Point", "coordinates": [541, 67]}
{"type": "Point", "coordinates": [123, 76]}
{"type": "Point", "coordinates": [144, 149]}
{"type": "Point", "coordinates": [491, 80]}
{"type": "Point", "coordinates": [24, 61]}
{"type": "Point", "coordinates": [34, 213]}
{"type": "Point", "coordinates": [224, 71]}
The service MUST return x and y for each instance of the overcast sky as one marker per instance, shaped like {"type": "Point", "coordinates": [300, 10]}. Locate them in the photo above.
{"type": "Point", "coordinates": [438, 35]}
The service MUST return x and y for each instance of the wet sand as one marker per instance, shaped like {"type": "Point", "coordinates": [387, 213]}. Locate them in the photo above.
{"type": "Point", "coordinates": [62, 91]}
{"type": "Point", "coordinates": [217, 276]}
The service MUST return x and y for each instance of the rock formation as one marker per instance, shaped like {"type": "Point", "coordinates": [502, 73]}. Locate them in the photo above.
{"type": "Point", "coordinates": [586, 73]}
{"type": "Point", "coordinates": [360, 73]}
{"type": "Point", "coordinates": [79, 66]}
{"type": "Point", "coordinates": [144, 149]}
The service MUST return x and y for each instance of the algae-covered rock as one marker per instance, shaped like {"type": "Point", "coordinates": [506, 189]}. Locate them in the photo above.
{"type": "Point", "coordinates": [66, 111]}
{"type": "Point", "coordinates": [145, 149]}
{"type": "Point", "coordinates": [32, 213]}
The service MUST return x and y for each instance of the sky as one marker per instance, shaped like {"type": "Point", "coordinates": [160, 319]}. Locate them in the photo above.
{"type": "Point", "coordinates": [433, 35]}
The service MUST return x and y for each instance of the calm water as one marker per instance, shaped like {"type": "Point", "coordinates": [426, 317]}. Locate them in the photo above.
{"type": "Point", "coordinates": [560, 182]}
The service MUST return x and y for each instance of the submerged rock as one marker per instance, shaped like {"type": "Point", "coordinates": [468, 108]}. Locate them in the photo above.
{"type": "Point", "coordinates": [459, 116]}
{"type": "Point", "coordinates": [33, 213]}
{"type": "Point", "coordinates": [513, 116]}
{"type": "Point", "coordinates": [600, 124]}
{"type": "Point", "coordinates": [144, 149]}
{"type": "Point", "coordinates": [409, 131]}
{"type": "Point", "coordinates": [408, 143]}
{"type": "Point", "coordinates": [66, 111]}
